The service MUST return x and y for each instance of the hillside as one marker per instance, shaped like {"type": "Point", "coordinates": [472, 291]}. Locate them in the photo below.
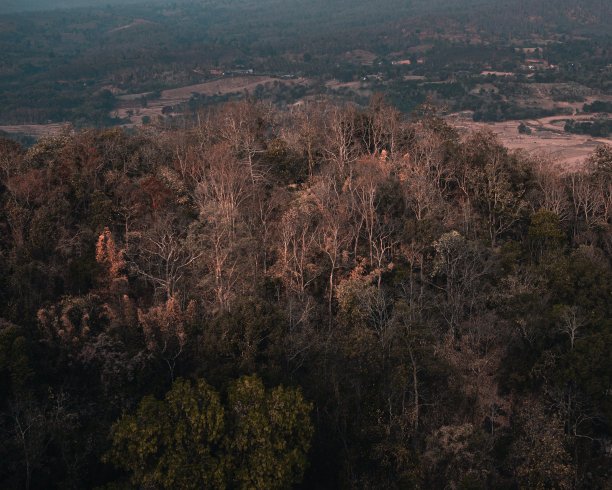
{"type": "Point", "coordinates": [320, 244]}
{"type": "Point", "coordinates": [353, 298]}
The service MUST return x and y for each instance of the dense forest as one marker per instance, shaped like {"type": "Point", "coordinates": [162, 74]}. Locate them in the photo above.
{"type": "Point", "coordinates": [322, 297]}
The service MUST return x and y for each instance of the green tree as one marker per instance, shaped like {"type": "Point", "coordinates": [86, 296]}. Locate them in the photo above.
{"type": "Point", "coordinates": [544, 234]}
{"type": "Point", "coordinates": [495, 182]}
{"type": "Point", "coordinates": [189, 440]}
{"type": "Point", "coordinates": [523, 129]}
{"type": "Point", "coordinates": [15, 366]}
{"type": "Point", "coordinates": [270, 436]}
{"type": "Point", "coordinates": [173, 443]}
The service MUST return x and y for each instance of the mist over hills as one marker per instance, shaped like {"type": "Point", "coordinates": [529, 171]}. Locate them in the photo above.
{"type": "Point", "coordinates": [347, 10]}
{"type": "Point", "coordinates": [13, 6]}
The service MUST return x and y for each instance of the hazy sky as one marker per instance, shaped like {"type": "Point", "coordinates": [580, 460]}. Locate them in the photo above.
{"type": "Point", "coordinates": [9, 6]}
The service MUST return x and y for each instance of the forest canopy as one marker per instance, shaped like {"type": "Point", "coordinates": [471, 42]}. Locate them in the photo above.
{"type": "Point", "coordinates": [325, 296]}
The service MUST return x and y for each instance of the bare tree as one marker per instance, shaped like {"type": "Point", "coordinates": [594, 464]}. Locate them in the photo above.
{"type": "Point", "coordinates": [241, 124]}
{"type": "Point", "coordinates": [552, 194]}
{"type": "Point", "coordinates": [305, 132]}
{"type": "Point", "coordinates": [380, 127]}
{"type": "Point", "coordinates": [11, 155]}
{"type": "Point", "coordinates": [583, 192]}
{"type": "Point", "coordinates": [296, 243]}
{"type": "Point", "coordinates": [420, 193]}
{"type": "Point", "coordinates": [221, 194]}
{"type": "Point", "coordinates": [362, 188]}
{"type": "Point", "coordinates": [340, 145]}
{"type": "Point", "coordinates": [332, 237]}
{"type": "Point", "coordinates": [224, 186]}
{"type": "Point", "coordinates": [164, 330]}
{"type": "Point", "coordinates": [35, 426]}
{"type": "Point", "coordinates": [489, 183]}
{"type": "Point", "coordinates": [570, 321]}
{"type": "Point", "coordinates": [160, 255]}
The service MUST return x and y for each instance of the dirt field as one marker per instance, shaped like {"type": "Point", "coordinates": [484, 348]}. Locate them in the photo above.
{"type": "Point", "coordinates": [131, 102]}
{"type": "Point", "coordinates": [547, 137]}
{"type": "Point", "coordinates": [35, 130]}
{"type": "Point", "coordinates": [360, 57]}
{"type": "Point", "coordinates": [175, 96]}
{"type": "Point", "coordinates": [360, 88]}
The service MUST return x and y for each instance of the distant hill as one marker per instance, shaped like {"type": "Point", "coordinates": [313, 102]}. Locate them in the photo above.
{"type": "Point", "coordinates": [496, 14]}
{"type": "Point", "coordinates": [68, 65]}
{"type": "Point", "coordinates": [13, 6]}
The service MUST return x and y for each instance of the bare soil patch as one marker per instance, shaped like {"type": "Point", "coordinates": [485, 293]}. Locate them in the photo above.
{"type": "Point", "coordinates": [360, 57]}
{"type": "Point", "coordinates": [359, 87]}
{"type": "Point", "coordinates": [34, 130]}
{"type": "Point", "coordinates": [547, 137]}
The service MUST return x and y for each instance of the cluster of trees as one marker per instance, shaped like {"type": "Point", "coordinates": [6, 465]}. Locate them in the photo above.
{"type": "Point", "coordinates": [597, 106]}
{"type": "Point", "coordinates": [325, 295]}
{"type": "Point", "coordinates": [504, 111]}
{"type": "Point", "coordinates": [596, 127]}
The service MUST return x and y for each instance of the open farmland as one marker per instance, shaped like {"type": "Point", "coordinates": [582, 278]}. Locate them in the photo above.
{"type": "Point", "coordinates": [33, 130]}
{"type": "Point", "coordinates": [130, 106]}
